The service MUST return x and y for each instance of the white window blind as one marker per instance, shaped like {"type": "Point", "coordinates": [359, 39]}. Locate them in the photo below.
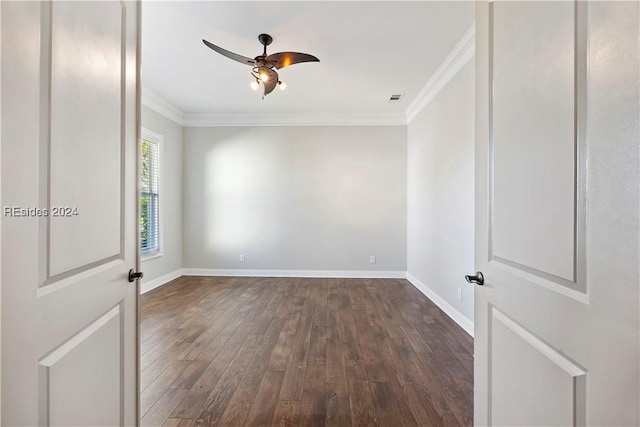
{"type": "Point", "coordinates": [150, 196]}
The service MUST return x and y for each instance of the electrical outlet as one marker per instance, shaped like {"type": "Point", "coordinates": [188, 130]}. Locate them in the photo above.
{"type": "Point", "coordinates": [241, 257]}
{"type": "Point", "coordinates": [460, 294]}
{"type": "Point", "coordinates": [372, 259]}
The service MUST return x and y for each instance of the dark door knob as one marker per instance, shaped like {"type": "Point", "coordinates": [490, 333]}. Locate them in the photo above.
{"type": "Point", "coordinates": [134, 275]}
{"type": "Point", "coordinates": [478, 279]}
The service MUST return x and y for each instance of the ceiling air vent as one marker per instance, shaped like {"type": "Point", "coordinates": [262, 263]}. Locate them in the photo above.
{"type": "Point", "coordinates": [395, 98]}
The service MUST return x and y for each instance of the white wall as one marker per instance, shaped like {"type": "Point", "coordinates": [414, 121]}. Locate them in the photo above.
{"type": "Point", "coordinates": [295, 198]}
{"type": "Point", "coordinates": [440, 194]}
{"type": "Point", "coordinates": [160, 269]}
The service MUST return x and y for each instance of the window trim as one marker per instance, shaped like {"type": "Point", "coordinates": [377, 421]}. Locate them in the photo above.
{"type": "Point", "coordinates": [156, 138]}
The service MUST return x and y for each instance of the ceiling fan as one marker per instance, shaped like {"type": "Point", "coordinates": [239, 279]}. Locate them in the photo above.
{"type": "Point", "coordinates": [263, 65]}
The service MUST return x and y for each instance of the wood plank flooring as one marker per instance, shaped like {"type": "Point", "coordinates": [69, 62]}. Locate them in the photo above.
{"type": "Point", "coordinates": [301, 352]}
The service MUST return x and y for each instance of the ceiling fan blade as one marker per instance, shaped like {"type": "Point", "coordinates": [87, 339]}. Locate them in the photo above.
{"type": "Point", "coordinates": [284, 59]}
{"type": "Point", "coordinates": [272, 82]}
{"type": "Point", "coordinates": [230, 55]}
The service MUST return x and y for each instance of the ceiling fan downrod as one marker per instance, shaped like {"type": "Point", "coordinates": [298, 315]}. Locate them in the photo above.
{"type": "Point", "coordinates": [266, 40]}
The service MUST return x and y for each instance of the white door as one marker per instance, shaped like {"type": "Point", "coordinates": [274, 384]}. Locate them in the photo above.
{"type": "Point", "coordinates": [557, 212]}
{"type": "Point", "coordinates": [69, 146]}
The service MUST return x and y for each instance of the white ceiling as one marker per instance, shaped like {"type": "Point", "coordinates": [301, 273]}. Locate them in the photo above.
{"type": "Point", "coordinates": [367, 51]}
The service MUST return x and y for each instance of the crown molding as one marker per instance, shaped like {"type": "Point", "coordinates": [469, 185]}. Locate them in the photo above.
{"type": "Point", "coordinates": [161, 106]}
{"type": "Point", "coordinates": [152, 100]}
{"type": "Point", "coordinates": [299, 119]}
{"type": "Point", "coordinates": [459, 56]}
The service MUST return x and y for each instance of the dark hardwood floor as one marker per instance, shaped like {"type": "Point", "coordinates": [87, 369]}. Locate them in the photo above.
{"type": "Point", "coordinates": [301, 352]}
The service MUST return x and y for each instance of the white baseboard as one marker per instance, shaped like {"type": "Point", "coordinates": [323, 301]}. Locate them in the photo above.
{"type": "Point", "coordinates": [348, 274]}
{"type": "Point", "coordinates": [454, 314]}
{"type": "Point", "coordinates": [146, 286]}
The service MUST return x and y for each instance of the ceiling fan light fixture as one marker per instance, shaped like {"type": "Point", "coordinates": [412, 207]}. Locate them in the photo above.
{"type": "Point", "coordinates": [264, 66]}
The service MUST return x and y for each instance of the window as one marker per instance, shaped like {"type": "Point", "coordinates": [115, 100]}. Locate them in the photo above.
{"type": "Point", "coordinates": [150, 194]}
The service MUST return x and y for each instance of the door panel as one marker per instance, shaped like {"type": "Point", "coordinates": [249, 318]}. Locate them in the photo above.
{"type": "Point", "coordinates": [85, 369]}
{"type": "Point", "coordinates": [557, 226]}
{"type": "Point", "coordinates": [554, 391]}
{"type": "Point", "coordinates": [86, 78]}
{"type": "Point", "coordinates": [69, 139]}
{"type": "Point", "coordinates": [533, 136]}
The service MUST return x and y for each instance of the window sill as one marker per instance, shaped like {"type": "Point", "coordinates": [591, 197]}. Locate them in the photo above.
{"type": "Point", "coordinates": [153, 255]}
